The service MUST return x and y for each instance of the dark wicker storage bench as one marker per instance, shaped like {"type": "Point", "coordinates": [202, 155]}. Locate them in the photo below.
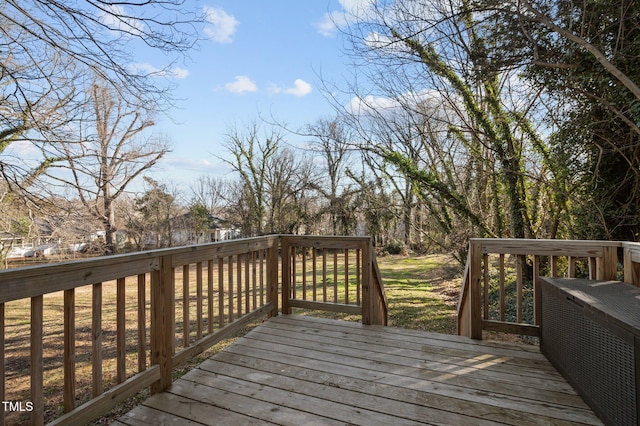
{"type": "Point", "coordinates": [590, 330]}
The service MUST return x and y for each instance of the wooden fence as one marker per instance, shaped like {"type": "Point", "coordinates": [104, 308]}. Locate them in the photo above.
{"type": "Point", "coordinates": [119, 324]}
{"type": "Point", "coordinates": [500, 290]}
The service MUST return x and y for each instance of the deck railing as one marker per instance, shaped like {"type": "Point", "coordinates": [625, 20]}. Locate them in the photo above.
{"type": "Point", "coordinates": [109, 327]}
{"type": "Point", "coordinates": [333, 274]}
{"type": "Point", "coordinates": [500, 291]}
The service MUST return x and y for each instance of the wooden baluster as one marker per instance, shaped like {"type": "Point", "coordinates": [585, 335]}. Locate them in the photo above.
{"type": "Point", "coordinates": [593, 268]}
{"type": "Point", "coordinates": [537, 294]}
{"type": "Point", "coordinates": [286, 276]}
{"type": "Point", "coordinates": [142, 323]}
{"type": "Point", "coordinates": [485, 286]}
{"type": "Point", "coordinates": [272, 279]}
{"type": "Point", "coordinates": [185, 306]}
{"type": "Point", "coordinates": [346, 276]}
{"type": "Point", "coordinates": [247, 272]}
{"type": "Point", "coordinates": [314, 272]}
{"type": "Point", "coordinates": [262, 254]}
{"type": "Point", "coordinates": [502, 291]}
{"type": "Point", "coordinates": [199, 301]}
{"type": "Point", "coordinates": [254, 279]}
{"type": "Point", "coordinates": [294, 271]}
{"type": "Point", "coordinates": [230, 286]}
{"type": "Point", "coordinates": [69, 350]}
{"type": "Point", "coordinates": [304, 273]}
{"type": "Point", "coordinates": [554, 266]}
{"type": "Point", "coordinates": [572, 261]}
{"type": "Point", "coordinates": [324, 275]}
{"type": "Point", "coordinates": [358, 276]}
{"type": "Point", "coordinates": [520, 262]}
{"type": "Point", "coordinates": [96, 340]}
{"type": "Point", "coordinates": [121, 330]}
{"type": "Point", "coordinates": [239, 283]}
{"type": "Point", "coordinates": [335, 275]}
{"type": "Point", "coordinates": [210, 295]}
{"type": "Point", "coordinates": [37, 367]}
{"type": "Point", "coordinates": [221, 292]}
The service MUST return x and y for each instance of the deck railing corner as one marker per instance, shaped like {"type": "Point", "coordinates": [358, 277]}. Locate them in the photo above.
{"type": "Point", "coordinates": [500, 290]}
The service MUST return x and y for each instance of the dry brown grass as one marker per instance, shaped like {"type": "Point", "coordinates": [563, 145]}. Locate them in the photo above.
{"type": "Point", "coordinates": [18, 344]}
{"type": "Point", "coordinates": [17, 341]}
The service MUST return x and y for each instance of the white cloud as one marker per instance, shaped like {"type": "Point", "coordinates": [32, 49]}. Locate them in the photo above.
{"type": "Point", "coordinates": [364, 106]}
{"type": "Point", "coordinates": [352, 10]}
{"type": "Point", "coordinates": [242, 84]}
{"type": "Point", "coordinates": [179, 73]}
{"type": "Point", "coordinates": [23, 150]}
{"type": "Point", "coordinates": [223, 26]}
{"type": "Point", "coordinates": [117, 19]}
{"type": "Point", "coordinates": [368, 104]}
{"type": "Point", "coordinates": [149, 69]}
{"type": "Point", "coordinates": [329, 24]}
{"type": "Point", "coordinates": [300, 88]}
{"type": "Point", "coordinates": [376, 40]}
{"type": "Point", "coordinates": [186, 163]}
{"type": "Point", "coordinates": [355, 7]}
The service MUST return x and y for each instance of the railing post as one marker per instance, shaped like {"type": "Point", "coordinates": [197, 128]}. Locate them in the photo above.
{"type": "Point", "coordinates": [37, 365]}
{"type": "Point", "coordinates": [367, 292]}
{"type": "Point", "coordinates": [475, 290]}
{"type": "Point", "coordinates": [272, 277]}
{"type": "Point", "coordinates": [162, 322]}
{"type": "Point", "coordinates": [631, 267]}
{"type": "Point", "coordinates": [2, 363]}
{"type": "Point", "coordinates": [607, 266]}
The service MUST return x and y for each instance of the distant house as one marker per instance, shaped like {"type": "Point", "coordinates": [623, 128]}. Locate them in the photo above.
{"type": "Point", "coordinates": [55, 234]}
{"type": "Point", "coordinates": [185, 232]}
{"type": "Point", "coordinates": [12, 246]}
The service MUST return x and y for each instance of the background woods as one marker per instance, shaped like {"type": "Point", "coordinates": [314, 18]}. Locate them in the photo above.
{"type": "Point", "coordinates": [462, 119]}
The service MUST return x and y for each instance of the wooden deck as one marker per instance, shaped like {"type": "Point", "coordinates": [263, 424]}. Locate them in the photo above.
{"type": "Point", "coordinates": [294, 370]}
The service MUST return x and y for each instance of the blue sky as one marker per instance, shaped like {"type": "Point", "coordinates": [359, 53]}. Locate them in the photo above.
{"type": "Point", "coordinates": [259, 59]}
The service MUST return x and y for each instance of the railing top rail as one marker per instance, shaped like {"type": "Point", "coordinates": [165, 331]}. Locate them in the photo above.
{"type": "Point", "coordinates": [37, 280]}
{"type": "Point", "coordinates": [326, 237]}
{"type": "Point", "coordinates": [329, 242]}
{"type": "Point", "coordinates": [576, 248]}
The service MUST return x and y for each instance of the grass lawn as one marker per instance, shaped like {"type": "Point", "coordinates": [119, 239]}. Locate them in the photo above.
{"type": "Point", "coordinates": [422, 292]}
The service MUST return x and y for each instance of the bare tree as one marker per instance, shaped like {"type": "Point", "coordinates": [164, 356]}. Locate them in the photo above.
{"type": "Point", "coordinates": [333, 141]}
{"type": "Point", "coordinates": [112, 152]}
{"type": "Point", "coordinates": [274, 182]}
{"type": "Point", "coordinates": [288, 179]}
{"type": "Point", "coordinates": [452, 130]}
{"type": "Point", "coordinates": [210, 192]}
{"type": "Point", "coordinates": [251, 154]}
{"type": "Point", "coordinates": [48, 39]}
{"type": "Point", "coordinates": [51, 50]}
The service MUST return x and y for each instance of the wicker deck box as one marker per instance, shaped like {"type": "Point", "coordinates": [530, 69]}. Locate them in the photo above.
{"type": "Point", "coordinates": [590, 330]}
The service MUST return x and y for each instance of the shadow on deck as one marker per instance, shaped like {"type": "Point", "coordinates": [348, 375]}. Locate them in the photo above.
{"type": "Point", "coordinates": [302, 370]}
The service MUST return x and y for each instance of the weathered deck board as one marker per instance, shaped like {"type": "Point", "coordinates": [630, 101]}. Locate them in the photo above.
{"type": "Point", "coordinates": [300, 370]}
